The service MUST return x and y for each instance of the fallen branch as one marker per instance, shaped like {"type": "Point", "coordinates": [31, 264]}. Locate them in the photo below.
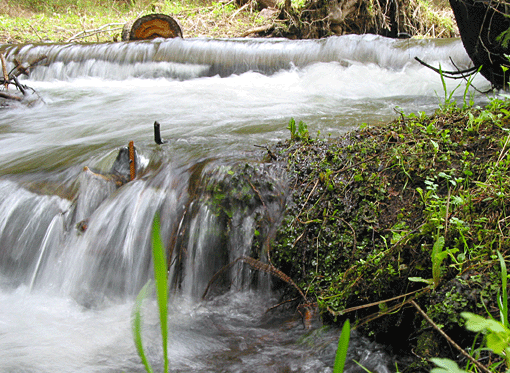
{"type": "Point", "coordinates": [348, 310]}
{"type": "Point", "coordinates": [24, 68]}
{"type": "Point", "coordinates": [11, 78]}
{"type": "Point", "coordinates": [9, 96]}
{"type": "Point", "coordinates": [86, 33]}
{"type": "Point", "coordinates": [450, 74]}
{"type": "Point", "coordinates": [258, 265]}
{"type": "Point", "coordinates": [451, 341]}
{"type": "Point", "coordinates": [257, 30]}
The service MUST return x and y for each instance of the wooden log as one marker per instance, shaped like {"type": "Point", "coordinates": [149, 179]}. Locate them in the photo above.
{"type": "Point", "coordinates": [151, 26]}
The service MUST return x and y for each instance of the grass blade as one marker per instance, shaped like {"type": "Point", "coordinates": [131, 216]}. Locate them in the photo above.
{"type": "Point", "coordinates": [137, 326]}
{"type": "Point", "coordinates": [503, 301]}
{"type": "Point", "coordinates": [160, 275]}
{"type": "Point", "coordinates": [343, 344]}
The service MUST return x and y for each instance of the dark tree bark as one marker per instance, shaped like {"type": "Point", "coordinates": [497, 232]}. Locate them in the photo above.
{"type": "Point", "coordinates": [483, 26]}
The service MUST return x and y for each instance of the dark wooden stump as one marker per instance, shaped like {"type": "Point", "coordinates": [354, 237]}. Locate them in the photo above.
{"type": "Point", "coordinates": [151, 26]}
{"type": "Point", "coordinates": [482, 26]}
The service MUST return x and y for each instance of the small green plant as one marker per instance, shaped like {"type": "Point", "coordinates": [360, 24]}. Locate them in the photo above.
{"type": "Point", "coordinates": [298, 132]}
{"type": "Point", "coordinates": [448, 103]}
{"type": "Point", "coordinates": [496, 332]}
{"type": "Point", "coordinates": [343, 344]}
{"type": "Point", "coordinates": [160, 277]}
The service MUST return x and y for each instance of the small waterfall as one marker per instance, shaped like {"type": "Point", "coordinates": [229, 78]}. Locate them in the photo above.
{"type": "Point", "coordinates": [25, 219]}
{"type": "Point", "coordinates": [193, 58]}
{"type": "Point", "coordinates": [99, 245]}
{"type": "Point", "coordinates": [53, 238]}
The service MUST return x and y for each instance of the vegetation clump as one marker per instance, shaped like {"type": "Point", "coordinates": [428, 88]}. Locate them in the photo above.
{"type": "Point", "coordinates": [413, 211]}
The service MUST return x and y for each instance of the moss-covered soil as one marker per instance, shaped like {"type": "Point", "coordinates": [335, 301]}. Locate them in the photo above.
{"type": "Point", "coordinates": [419, 207]}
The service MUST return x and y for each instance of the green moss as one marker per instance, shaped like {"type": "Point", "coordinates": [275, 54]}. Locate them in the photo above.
{"type": "Point", "coordinates": [367, 209]}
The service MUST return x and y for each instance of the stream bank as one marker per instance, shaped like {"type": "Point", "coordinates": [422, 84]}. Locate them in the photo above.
{"type": "Point", "coordinates": [365, 211]}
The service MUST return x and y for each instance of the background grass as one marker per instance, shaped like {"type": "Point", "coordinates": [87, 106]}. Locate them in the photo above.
{"type": "Point", "coordinates": [35, 21]}
{"type": "Point", "coordinates": [23, 21]}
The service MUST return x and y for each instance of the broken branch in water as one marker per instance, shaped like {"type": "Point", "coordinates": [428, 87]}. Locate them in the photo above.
{"type": "Point", "coordinates": [24, 68]}
{"type": "Point", "coordinates": [459, 74]}
{"type": "Point", "coordinates": [157, 134]}
{"type": "Point", "coordinates": [11, 78]}
{"type": "Point", "coordinates": [132, 161]}
{"type": "Point", "coordinates": [258, 265]}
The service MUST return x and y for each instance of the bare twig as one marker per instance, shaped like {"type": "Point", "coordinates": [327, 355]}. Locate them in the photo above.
{"type": "Point", "coordinates": [258, 265]}
{"type": "Point", "coordinates": [36, 33]}
{"type": "Point", "coordinates": [451, 341]}
{"type": "Point", "coordinates": [450, 74]}
{"type": "Point", "coordinates": [357, 308]}
{"type": "Point", "coordinates": [257, 30]}
{"type": "Point", "coordinates": [86, 33]}
{"type": "Point", "coordinates": [240, 10]}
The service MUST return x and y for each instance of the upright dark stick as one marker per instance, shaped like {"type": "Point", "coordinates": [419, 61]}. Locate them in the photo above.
{"type": "Point", "coordinates": [157, 134]}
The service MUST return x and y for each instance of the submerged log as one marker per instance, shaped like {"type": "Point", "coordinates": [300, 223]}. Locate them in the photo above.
{"type": "Point", "coordinates": [151, 26]}
{"type": "Point", "coordinates": [485, 32]}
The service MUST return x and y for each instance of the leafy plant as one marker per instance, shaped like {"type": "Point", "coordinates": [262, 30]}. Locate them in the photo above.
{"type": "Point", "coordinates": [497, 333]}
{"type": "Point", "coordinates": [449, 103]}
{"type": "Point", "coordinates": [299, 132]}
{"type": "Point", "coordinates": [445, 366]}
{"type": "Point", "coordinates": [160, 276]}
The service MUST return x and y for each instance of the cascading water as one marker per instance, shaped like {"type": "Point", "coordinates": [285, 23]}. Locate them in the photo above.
{"type": "Point", "coordinates": [75, 246]}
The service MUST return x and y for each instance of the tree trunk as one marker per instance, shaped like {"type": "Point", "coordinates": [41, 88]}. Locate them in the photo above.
{"type": "Point", "coordinates": [484, 27]}
{"type": "Point", "coordinates": [151, 26]}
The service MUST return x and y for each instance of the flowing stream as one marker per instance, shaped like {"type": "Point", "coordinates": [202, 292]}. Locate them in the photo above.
{"type": "Point", "coordinates": [75, 247]}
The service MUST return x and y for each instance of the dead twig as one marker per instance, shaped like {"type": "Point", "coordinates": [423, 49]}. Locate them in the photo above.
{"type": "Point", "coordinates": [450, 74]}
{"type": "Point", "coordinates": [256, 30]}
{"type": "Point", "coordinates": [357, 308]}
{"type": "Point", "coordinates": [451, 341]}
{"type": "Point", "coordinates": [258, 265]}
{"type": "Point", "coordinates": [103, 29]}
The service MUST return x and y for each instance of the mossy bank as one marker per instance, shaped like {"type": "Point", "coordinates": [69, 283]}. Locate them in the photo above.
{"type": "Point", "coordinates": [415, 210]}
{"type": "Point", "coordinates": [419, 207]}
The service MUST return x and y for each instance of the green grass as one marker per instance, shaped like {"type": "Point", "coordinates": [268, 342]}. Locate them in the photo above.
{"type": "Point", "coordinates": [343, 344]}
{"type": "Point", "coordinates": [85, 20]}
{"type": "Point", "coordinates": [160, 277]}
